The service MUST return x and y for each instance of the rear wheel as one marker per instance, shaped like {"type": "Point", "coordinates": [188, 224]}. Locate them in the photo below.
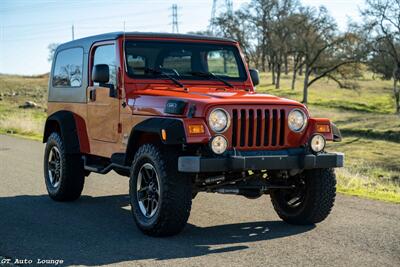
{"type": "Point", "coordinates": [160, 196]}
{"type": "Point", "coordinates": [64, 173]}
{"type": "Point", "coordinates": [310, 201]}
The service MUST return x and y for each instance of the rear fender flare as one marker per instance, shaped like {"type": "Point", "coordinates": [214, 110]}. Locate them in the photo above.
{"type": "Point", "coordinates": [72, 129]}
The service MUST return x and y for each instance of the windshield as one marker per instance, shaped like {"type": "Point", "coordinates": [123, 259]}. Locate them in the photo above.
{"type": "Point", "coordinates": [183, 60]}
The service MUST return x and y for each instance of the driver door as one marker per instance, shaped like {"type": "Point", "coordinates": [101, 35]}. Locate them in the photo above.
{"type": "Point", "coordinates": [103, 101]}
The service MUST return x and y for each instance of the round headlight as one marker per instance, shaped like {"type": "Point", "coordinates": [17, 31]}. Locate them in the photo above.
{"type": "Point", "coordinates": [297, 120]}
{"type": "Point", "coordinates": [219, 144]}
{"type": "Point", "coordinates": [219, 120]}
{"type": "Point", "coordinates": [317, 143]}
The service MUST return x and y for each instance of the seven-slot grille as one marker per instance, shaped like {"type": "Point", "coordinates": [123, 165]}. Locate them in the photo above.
{"type": "Point", "coordinates": [258, 127]}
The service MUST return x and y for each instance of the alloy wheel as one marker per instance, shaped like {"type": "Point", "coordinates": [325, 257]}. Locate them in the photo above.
{"type": "Point", "coordinates": [148, 190]}
{"type": "Point", "coordinates": [54, 166]}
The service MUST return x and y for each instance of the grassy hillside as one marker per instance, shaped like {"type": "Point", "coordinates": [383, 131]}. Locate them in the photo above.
{"type": "Point", "coordinates": [364, 115]}
{"type": "Point", "coordinates": [15, 91]}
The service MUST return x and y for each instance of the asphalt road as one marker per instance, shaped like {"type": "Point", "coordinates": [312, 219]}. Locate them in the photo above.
{"type": "Point", "coordinates": [223, 230]}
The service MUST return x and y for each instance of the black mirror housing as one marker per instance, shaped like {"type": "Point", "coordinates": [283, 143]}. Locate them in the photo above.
{"type": "Point", "coordinates": [255, 77]}
{"type": "Point", "coordinates": [113, 91]}
{"type": "Point", "coordinates": [101, 73]}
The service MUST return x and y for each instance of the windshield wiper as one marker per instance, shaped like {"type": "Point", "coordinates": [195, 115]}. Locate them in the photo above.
{"type": "Point", "coordinates": [210, 75]}
{"type": "Point", "coordinates": [162, 73]}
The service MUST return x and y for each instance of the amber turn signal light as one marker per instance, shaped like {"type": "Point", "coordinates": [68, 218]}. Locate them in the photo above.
{"type": "Point", "coordinates": [164, 135]}
{"type": "Point", "coordinates": [196, 129]}
{"type": "Point", "coordinates": [323, 128]}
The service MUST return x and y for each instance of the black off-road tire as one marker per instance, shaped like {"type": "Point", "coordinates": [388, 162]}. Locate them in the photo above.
{"type": "Point", "coordinates": [72, 172]}
{"type": "Point", "coordinates": [319, 198]}
{"type": "Point", "coordinates": [175, 198]}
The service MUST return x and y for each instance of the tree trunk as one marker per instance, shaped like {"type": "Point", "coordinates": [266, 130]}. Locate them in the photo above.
{"type": "Point", "coordinates": [273, 73]}
{"type": "Point", "coordinates": [305, 88]}
{"type": "Point", "coordinates": [278, 76]}
{"type": "Point", "coordinates": [225, 64]}
{"type": "Point", "coordinates": [263, 63]}
{"type": "Point", "coordinates": [294, 77]}
{"type": "Point", "coordinates": [301, 71]}
{"type": "Point", "coordinates": [295, 66]}
{"type": "Point", "coordinates": [397, 97]}
{"type": "Point", "coordinates": [396, 90]}
{"type": "Point", "coordinates": [286, 65]}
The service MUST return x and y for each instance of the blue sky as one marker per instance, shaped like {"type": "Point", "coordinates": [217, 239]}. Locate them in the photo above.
{"type": "Point", "coordinates": [27, 27]}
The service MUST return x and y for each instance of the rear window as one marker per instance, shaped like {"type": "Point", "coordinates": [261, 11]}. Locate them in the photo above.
{"type": "Point", "coordinates": [68, 68]}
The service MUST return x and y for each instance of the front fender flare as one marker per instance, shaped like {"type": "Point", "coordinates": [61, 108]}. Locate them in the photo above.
{"type": "Point", "coordinates": [174, 128]}
{"type": "Point", "coordinates": [337, 135]}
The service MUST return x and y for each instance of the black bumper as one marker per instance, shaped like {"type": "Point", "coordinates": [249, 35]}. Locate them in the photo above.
{"type": "Point", "coordinates": [198, 164]}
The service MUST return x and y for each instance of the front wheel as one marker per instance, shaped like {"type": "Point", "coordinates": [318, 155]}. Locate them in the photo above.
{"type": "Point", "coordinates": [310, 201]}
{"type": "Point", "coordinates": [161, 197]}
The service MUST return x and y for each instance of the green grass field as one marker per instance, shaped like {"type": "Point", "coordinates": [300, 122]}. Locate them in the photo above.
{"type": "Point", "coordinates": [370, 128]}
{"type": "Point", "coordinates": [365, 116]}
{"type": "Point", "coordinates": [14, 91]}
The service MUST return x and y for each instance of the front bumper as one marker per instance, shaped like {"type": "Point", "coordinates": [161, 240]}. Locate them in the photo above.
{"type": "Point", "coordinates": [198, 164]}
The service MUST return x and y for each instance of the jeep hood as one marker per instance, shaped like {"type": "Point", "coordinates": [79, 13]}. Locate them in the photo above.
{"type": "Point", "coordinates": [153, 101]}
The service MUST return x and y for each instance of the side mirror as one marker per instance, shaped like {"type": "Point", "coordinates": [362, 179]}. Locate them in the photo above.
{"type": "Point", "coordinates": [255, 77]}
{"type": "Point", "coordinates": [101, 73]}
{"type": "Point", "coordinates": [113, 91]}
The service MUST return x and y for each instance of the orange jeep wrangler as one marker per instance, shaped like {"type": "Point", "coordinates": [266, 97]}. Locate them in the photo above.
{"type": "Point", "coordinates": [179, 114]}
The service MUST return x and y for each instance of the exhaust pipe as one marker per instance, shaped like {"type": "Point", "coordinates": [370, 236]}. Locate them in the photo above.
{"type": "Point", "coordinates": [214, 179]}
{"type": "Point", "coordinates": [249, 193]}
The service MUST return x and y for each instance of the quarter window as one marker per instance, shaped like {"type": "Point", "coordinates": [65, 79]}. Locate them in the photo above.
{"type": "Point", "coordinates": [68, 68]}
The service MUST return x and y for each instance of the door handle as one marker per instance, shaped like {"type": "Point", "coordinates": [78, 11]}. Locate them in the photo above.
{"type": "Point", "coordinates": [92, 95]}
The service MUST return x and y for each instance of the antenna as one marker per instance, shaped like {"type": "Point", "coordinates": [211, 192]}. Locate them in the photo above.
{"type": "Point", "coordinates": [123, 46]}
{"type": "Point", "coordinates": [125, 68]}
{"type": "Point", "coordinates": [175, 18]}
{"type": "Point", "coordinates": [73, 32]}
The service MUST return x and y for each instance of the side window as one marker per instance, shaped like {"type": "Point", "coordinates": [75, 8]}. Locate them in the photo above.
{"type": "Point", "coordinates": [68, 68]}
{"type": "Point", "coordinates": [105, 54]}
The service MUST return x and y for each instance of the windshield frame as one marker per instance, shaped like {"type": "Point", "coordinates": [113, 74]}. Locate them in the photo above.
{"type": "Point", "coordinates": [243, 75]}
